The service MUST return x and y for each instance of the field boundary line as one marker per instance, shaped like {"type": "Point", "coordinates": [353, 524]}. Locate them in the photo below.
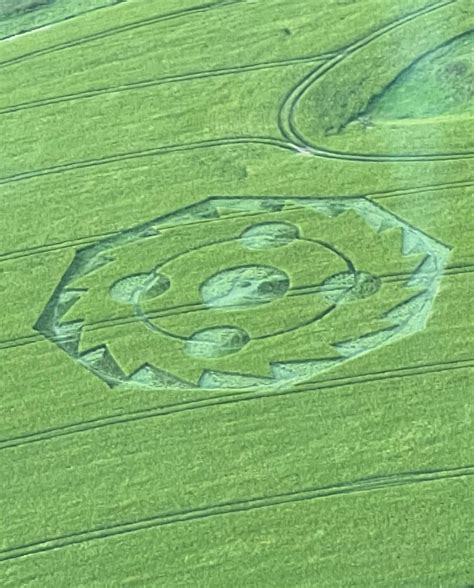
{"type": "Point", "coordinates": [358, 486]}
{"type": "Point", "coordinates": [120, 29]}
{"type": "Point", "coordinates": [57, 22]}
{"type": "Point", "coordinates": [171, 79]}
{"type": "Point", "coordinates": [287, 126]}
{"type": "Point", "coordinates": [151, 152]}
{"type": "Point", "coordinates": [229, 398]}
{"type": "Point", "coordinates": [87, 239]}
{"type": "Point", "coordinates": [294, 94]}
{"type": "Point", "coordinates": [113, 322]}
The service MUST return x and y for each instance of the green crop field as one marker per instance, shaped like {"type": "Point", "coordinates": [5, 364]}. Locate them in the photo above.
{"type": "Point", "coordinates": [236, 286]}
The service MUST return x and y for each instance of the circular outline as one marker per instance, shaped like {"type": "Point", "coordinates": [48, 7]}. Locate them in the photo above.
{"type": "Point", "coordinates": [141, 315]}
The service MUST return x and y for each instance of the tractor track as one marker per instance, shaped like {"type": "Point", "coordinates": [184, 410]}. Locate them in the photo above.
{"type": "Point", "coordinates": [240, 505]}
{"type": "Point", "coordinates": [180, 310]}
{"type": "Point", "coordinates": [206, 7]}
{"type": "Point", "coordinates": [57, 22]}
{"type": "Point", "coordinates": [171, 79]}
{"type": "Point", "coordinates": [152, 152]}
{"type": "Point", "coordinates": [231, 398]}
{"type": "Point", "coordinates": [287, 126]}
{"type": "Point", "coordinates": [88, 239]}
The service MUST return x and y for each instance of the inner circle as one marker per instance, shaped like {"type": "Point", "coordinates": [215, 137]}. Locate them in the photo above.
{"type": "Point", "coordinates": [244, 291]}
{"type": "Point", "coordinates": [244, 286]}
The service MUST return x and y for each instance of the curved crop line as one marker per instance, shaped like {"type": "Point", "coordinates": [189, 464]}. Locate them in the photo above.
{"type": "Point", "coordinates": [181, 309]}
{"type": "Point", "coordinates": [64, 19]}
{"type": "Point", "coordinates": [120, 29]}
{"type": "Point", "coordinates": [367, 484]}
{"type": "Point", "coordinates": [66, 244]}
{"type": "Point", "coordinates": [294, 95]}
{"type": "Point", "coordinates": [228, 399]}
{"type": "Point", "coordinates": [197, 75]}
{"type": "Point", "coordinates": [89, 163]}
{"type": "Point", "coordinates": [248, 504]}
{"type": "Point", "coordinates": [286, 112]}
{"type": "Point", "coordinates": [58, 245]}
{"type": "Point", "coordinates": [319, 316]}
{"type": "Point", "coordinates": [275, 142]}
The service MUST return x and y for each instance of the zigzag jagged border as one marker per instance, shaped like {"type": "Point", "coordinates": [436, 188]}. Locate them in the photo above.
{"type": "Point", "coordinates": [408, 317]}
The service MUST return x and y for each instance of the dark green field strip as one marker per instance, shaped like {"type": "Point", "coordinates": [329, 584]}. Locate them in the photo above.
{"type": "Point", "coordinates": [286, 113]}
{"type": "Point", "coordinates": [85, 25]}
{"type": "Point", "coordinates": [288, 127]}
{"type": "Point", "coordinates": [166, 79]}
{"type": "Point", "coordinates": [355, 540]}
{"type": "Point", "coordinates": [87, 239]}
{"type": "Point", "coordinates": [227, 110]}
{"type": "Point", "coordinates": [237, 506]}
{"type": "Point", "coordinates": [179, 310]}
{"type": "Point", "coordinates": [34, 28]}
{"type": "Point", "coordinates": [198, 127]}
{"type": "Point", "coordinates": [231, 398]}
{"type": "Point", "coordinates": [204, 7]}
{"type": "Point", "coordinates": [240, 69]}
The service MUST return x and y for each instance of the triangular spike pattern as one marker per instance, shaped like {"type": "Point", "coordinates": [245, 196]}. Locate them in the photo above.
{"type": "Point", "coordinates": [329, 206]}
{"type": "Point", "coordinates": [365, 343]}
{"type": "Point", "coordinates": [66, 299]}
{"type": "Point", "coordinates": [363, 215]}
{"type": "Point", "coordinates": [375, 217]}
{"type": "Point", "coordinates": [46, 322]}
{"type": "Point", "coordinates": [408, 309]}
{"type": "Point", "coordinates": [85, 263]}
{"type": "Point", "coordinates": [150, 376]}
{"type": "Point", "coordinates": [347, 348]}
{"type": "Point", "coordinates": [149, 232]}
{"type": "Point", "coordinates": [233, 205]}
{"type": "Point", "coordinates": [210, 379]}
{"type": "Point", "coordinates": [101, 360]}
{"type": "Point", "coordinates": [412, 242]}
{"type": "Point", "coordinates": [424, 273]}
{"type": "Point", "coordinates": [98, 262]}
{"type": "Point", "coordinates": [301, 369]}
{"type": "Point", "coordinates": [68, 336]}
{"type": "Point", "coordinates": [201, 211]}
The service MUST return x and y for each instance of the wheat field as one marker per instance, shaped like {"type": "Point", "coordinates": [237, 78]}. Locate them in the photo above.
{"type": "Point", "coordinates": [236, 282]}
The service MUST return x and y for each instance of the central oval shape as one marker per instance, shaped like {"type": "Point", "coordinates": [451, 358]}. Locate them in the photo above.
{"type": "Point", "coordinates": [244, 286]}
